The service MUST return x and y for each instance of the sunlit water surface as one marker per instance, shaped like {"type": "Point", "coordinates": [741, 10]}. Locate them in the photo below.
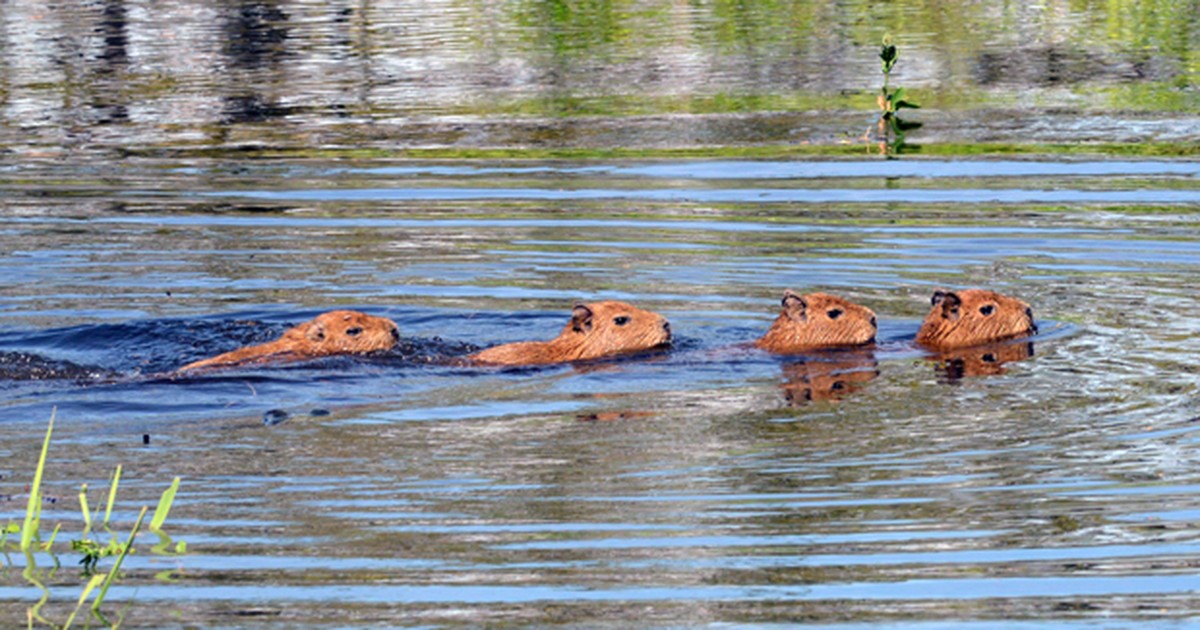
{"type": "Point", "coordinates": [1044, 482]}
{"type": "Point", "coordinates": [1053, 479]}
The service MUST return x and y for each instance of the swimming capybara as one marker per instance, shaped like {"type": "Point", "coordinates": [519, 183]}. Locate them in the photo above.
{"type": "Point", "coordinates": [815, 321]}
{"type": "Point", "coordinates": [972, 317]}
{"type": "Point", "coordinates": [332, 333]}
{"type": "Point", "coordinates": [600, 329]}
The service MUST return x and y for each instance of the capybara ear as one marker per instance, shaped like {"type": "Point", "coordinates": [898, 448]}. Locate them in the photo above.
{"type": "Point", "coordinates": [794, 305]}
{"type": "Point", "coordinates": [581, 318]}
{"type": "Point", "coordinates": [949, 301]}
{"type": "Point", "coordinates": [314, 331]}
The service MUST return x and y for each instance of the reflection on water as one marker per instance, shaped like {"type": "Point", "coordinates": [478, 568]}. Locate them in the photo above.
{"type": "Point", "coordinates": [832, 377]}
{"type": "Point", "coordinates": [989, 360]}
{"type": "Point", "coordinates": [303, 75]}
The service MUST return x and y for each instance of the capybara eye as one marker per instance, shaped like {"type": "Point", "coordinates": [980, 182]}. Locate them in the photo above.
{"type": "Point", "coordinates": [354, 332]}
{"type": "Point", "coordinates": [837, 386]}
{"type": "Point", "coordinates": [987, 309]}
{"type": "Point", "coordinates": [989, 358]}
{"type": "Point", "coordinates": [873, 324]}
{"type": "Point", "coordinates": [834, 313]}
{"type": "Point", "coordinates": [1029, 312]}
{"type": "Point", "coordinates": [621, 320]}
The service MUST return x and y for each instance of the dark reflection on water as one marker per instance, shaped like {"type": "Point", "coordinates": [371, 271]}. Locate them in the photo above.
{"type": "Point", "coordinates": [989, 360]}
{"type": "Point", "coordinates": [833, 376]}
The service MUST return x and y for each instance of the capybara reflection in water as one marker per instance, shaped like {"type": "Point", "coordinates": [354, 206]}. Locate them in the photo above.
{"type": "Point", "coordinates": [600, 329]}
{"type": "Point", "coordinates": [972, 317]}
{"type": "Point", "coordinates": [332, 333]}
{"type": "Point", "coordinates": [818, 320]}
{"type": "Point", "coordinates": [985, 360]}
{"type": "Point", "coordinates": [828, 378]}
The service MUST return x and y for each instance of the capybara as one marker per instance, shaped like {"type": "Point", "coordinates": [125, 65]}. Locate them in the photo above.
{"type": "Point", "coordinates": [600, 329]}
{"type": "Point", "coordinates": [985, 360]}
{"type": "Point", "coordinates": [818, 320]}
{"type": "Point", "coordinates": [332, 333]}
{"type": "Point", "coordinates": [831, 378]}
{"type": "Point", "coordinates": [972, 317]}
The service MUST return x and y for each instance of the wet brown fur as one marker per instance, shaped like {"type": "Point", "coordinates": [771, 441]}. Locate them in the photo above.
{"type": "Point", "coordinates": [332, 333]}
{"type": "Point", "coordinates": [818, 320]}
{"type": "Point", "coordinates": [972, 317]}
{"type": "Point", "coordinates": [600, 329]}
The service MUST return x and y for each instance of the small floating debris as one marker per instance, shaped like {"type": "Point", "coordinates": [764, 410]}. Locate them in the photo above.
{"type": "Point", "coordinates": [319, 413]}
{"type": "Point", "coordinates": [275, 416]}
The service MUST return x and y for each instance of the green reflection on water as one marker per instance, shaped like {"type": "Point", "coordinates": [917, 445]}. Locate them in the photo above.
{"type": "Point", "coordinates": [389, 68]}
{"type": "Point", "coordinates": [846, 149]}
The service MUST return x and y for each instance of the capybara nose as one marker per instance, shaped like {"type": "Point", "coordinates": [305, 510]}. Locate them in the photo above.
{"type": "Point", "coordinates": [395, 333]}
{"type": "Point", "coordinates": [667, 327]}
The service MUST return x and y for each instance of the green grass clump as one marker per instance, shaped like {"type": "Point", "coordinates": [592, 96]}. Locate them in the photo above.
{"type": "Point", "coordinates": [92, 550]}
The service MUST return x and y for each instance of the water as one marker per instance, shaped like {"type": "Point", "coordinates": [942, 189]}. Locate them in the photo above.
{"type": "Point", "coordinates": [179, 179]}
{"type": "Point", "coordinates": [707, 484]}
{"type": "Point", "coordinates": [457, 75]}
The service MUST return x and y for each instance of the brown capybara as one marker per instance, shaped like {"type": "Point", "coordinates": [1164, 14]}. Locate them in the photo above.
{"type": "Point", "coordinates": [832, 380]}
{"type": "Point", "coordinates": [600, 329]}
{"type": "Point", "coordinates": [815, 321]}
{"type": "Point", "coordinates": [985, 360]}
{"type": "Point", "coordinates": [335, 332]}
{"type": "Point", "coordinates": [972, 317]}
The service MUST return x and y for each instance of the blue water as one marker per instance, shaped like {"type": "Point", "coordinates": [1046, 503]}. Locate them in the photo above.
{"type": "Point", "coordinates": [709, 483]}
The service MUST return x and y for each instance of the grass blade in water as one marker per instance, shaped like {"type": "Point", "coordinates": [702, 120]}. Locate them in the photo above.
{"type": "Point", "coordinates": [164, 506]}
{"type": "Point", "coordinates": [87, 590]}
{"type": "Point", "coordinates": [112, 574]}
{"type": "Point", "coordinates": [33, 511]}
{"type": "Point", "coordinates": [112, 494]}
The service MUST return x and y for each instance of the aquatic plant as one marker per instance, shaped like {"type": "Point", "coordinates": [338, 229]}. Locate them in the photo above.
{"type": "Point", "coordinates": [889, 130]}
{"type": "Point", "coordinates": [93, 551]}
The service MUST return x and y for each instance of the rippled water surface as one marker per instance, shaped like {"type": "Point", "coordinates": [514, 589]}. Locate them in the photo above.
{"type": "Point", "coordinates": [180, 179]}
{"type": "Point", "coordinates": [1051, 480]}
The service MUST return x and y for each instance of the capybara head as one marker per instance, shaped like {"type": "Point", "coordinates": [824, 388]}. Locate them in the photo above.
{"type": "Point", "coordinates": [335, 332]}
{"type": "Point", "coordinates": [818, 320]}
{"type": "Point", "coordinates": [341, 332]}
{"type": "Point", "coordinates": [609, 328]}
{"type": "Point", "coordinates": [596, 330]}
{"type": "Point", "coordinates": [972, 317]}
